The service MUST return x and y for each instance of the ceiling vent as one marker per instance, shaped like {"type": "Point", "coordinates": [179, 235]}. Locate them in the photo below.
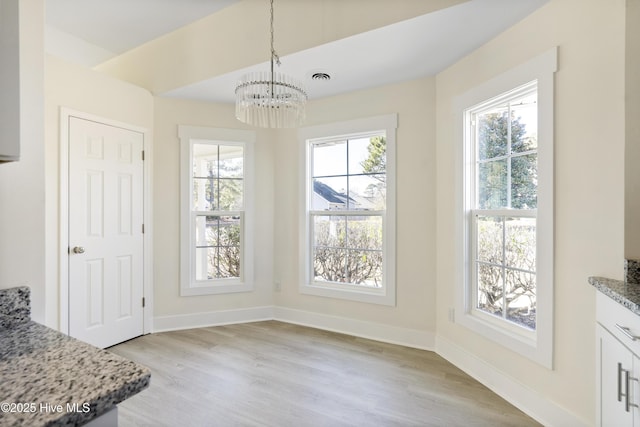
{"type": "Point", "coordinates": [320, 76]}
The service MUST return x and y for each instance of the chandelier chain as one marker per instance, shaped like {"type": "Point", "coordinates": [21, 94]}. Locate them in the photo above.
{"type": "Point", "coordinates": [274, 54]}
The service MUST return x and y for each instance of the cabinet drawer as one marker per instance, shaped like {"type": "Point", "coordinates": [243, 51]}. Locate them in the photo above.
{"type": "Point", "coordinates": [619, 320]}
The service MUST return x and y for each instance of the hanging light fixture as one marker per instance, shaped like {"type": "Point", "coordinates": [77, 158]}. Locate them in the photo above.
{"type": "Point", "coordinates": [270, 99]}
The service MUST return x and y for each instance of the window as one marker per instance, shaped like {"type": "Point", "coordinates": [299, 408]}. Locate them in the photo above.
{"type": "Point", "coordinates": [503, 142]}
{"type": "Point", "coordinates": [507, 216]}
{"type": "Point", "coordinates": [215, 210]}
{"type": "Point", "coordinates": [349, 222]}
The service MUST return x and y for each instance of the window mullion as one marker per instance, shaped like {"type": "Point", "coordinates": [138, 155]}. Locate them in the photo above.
{"type": "Point", "coordinates": [524, 213]}
{"type": "Point", "coordinates": [476, 170]}
{"type": "Point", "coordinates": [310, 247]}
{"type": "Point", "coordinates": [504, 270]}
{"type": "Point", "coordinates": [348, 176]}
{"type": "Point", "coordinates": [346, 221]}
{"type": "Point", "coordinates": [217, 193]}
{"type": "Point", "coordinates": [346, 243]}
{"type": "Point", "coordinates": [509, 150]}
{"type": "Point", "coordinates": [346, 213]}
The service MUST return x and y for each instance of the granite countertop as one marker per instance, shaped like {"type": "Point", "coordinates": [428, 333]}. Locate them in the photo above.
{"type": "Point", "coordinates": [51, 379]}
{"type": "Point", "coordinates": [627, 294]}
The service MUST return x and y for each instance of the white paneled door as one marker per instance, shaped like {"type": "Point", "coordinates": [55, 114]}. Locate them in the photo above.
{"type": "Point", "coordinates": [105, 232]}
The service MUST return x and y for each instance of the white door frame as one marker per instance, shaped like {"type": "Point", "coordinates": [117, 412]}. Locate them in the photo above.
{"type": "Point", "coordinates": [65, 115]}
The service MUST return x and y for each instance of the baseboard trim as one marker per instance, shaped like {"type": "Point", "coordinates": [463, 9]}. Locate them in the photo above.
{"type": "Point", "coordinates": [359, 328]}
{"type": "Point", "coordinates": [211, 318]}
{"type": "Point", "coordinates": [528, 401]}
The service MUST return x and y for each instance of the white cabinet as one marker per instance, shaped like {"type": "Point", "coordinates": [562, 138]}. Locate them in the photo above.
{"type": "Point", "coordinates": [9, 81]}
{"type": "Point", "coordinates": [618, 363]}
{"type": "Point", "coordinates": [616, 378]}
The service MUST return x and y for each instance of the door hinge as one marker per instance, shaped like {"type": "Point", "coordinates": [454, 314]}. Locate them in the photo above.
{"type": "Point", "coordinates": [142, 228]}
{"type": "Point", "coordinates": [142, 155]}
{"type": "Point", "coordinates": [142, 302]}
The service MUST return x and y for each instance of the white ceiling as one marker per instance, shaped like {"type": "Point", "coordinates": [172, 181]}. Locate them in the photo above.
{"type": "Point", "coordinates": [414, 48]}
{"type": "Point", "coordinates": [120, 25]}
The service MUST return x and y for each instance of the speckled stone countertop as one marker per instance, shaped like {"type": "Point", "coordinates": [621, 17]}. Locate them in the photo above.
{"type": "Point", "coordinates": [15, 306]}
{"type": "Point", "coordinates": [627, 294]}
{"type": "Point", "coordinates": [55, 380]}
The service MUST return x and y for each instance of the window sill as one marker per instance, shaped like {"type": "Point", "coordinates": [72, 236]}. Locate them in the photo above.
{"type": "Point", "coordinates": [526, 346]}
{"type": "Point", "coordinates": [370, 296]}
{"type": "Point", "coordinates": [215, 289]}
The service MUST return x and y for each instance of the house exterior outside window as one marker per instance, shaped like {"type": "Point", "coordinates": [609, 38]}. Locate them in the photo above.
{"type": "Point", "coordinates": [348, 223]}
{"type": "Point", "coordinates": [505, 285]}
{"type": "Point", "coordinates": [216, 210]}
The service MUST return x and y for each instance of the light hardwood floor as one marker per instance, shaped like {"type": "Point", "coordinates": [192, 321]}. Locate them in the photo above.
{"type": "Point", "coordinates": [278, 374]}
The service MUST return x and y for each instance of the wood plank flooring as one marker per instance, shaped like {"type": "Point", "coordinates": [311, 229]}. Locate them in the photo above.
{"type": "Point", "coordinates": [278, 374]}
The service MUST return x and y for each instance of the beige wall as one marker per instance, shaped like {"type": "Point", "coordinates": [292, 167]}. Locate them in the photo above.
{"type": "Point", "coordinates": [278, 207]}
{"type": "Point", "coordinates": [86, 91]}
{"type": "Point", "coordinates": [589, 152]}
{"type": "Point", "coordinates": [414, 102]}
{"type": "Point", "coordinates": [169, 113]}
{"type": "Point", "coordinates": [277, 202]}
{"type": "Point", "coordinates": [22, 183]}
{"type": "Point", "coordinates": [632, 154]}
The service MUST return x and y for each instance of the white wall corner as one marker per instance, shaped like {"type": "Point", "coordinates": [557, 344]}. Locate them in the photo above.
{"type": "Point", "coordinates": [537, 406]}
{"type": "Point", "coordinates": [211, 318]}
{"type": "Point", "coordinates": [375, 331]}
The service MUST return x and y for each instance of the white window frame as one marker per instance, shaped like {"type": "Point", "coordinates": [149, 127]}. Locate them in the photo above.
{"type": "Point", "coordinates": [536, 345]}
{"type": "Point", "coordinates": [386, 295]}
{"type": "Point", "coordinates": [189, 286]}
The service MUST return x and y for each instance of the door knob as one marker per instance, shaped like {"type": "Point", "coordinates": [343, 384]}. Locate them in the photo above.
{"type": "Point", "coordinates": [78, 250]}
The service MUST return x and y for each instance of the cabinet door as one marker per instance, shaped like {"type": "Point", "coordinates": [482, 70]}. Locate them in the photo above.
{"type": "Point", "coordinates": [634, 399]}
{"type": "Point", "coordinates": [615, 364]}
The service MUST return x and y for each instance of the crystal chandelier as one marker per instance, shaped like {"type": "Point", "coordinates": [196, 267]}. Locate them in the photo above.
{"type": "Point", "coordinates": [270, 99]}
